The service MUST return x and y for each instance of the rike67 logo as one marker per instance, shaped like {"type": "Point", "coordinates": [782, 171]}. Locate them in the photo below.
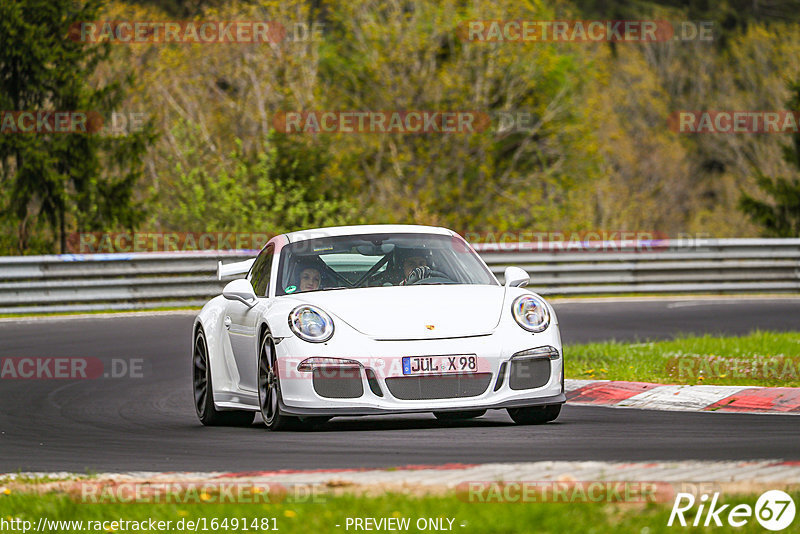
{"type": "Point", "coordinates": [774, 510]}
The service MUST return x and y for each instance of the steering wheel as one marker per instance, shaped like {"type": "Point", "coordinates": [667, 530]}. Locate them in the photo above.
{"type": "Point", "coordinates": [422, 273]}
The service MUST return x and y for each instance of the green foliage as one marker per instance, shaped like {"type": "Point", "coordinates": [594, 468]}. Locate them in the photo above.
{"type": "Point", "coordinates": [779, 216]}
{"type": "Point", "coordinates": [488, 509]}
{"type": "Point", "coordinates": [597, 153]}
{"type": "Point", "coordinates": [272, 189]}
{"type": "Point", "coordinates": [757, 359]}
{"type": "Point", "coordinates": [64, 179]}
{"type": "Point", "coordinates": [491, 179]}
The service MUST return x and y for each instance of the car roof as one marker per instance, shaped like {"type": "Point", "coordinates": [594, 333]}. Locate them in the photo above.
{"type": "Point", "coordinates": [335, 231]}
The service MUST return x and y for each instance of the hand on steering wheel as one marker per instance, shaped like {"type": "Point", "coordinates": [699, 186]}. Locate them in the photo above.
{"type": "Point", "coordinates": [419, 273]}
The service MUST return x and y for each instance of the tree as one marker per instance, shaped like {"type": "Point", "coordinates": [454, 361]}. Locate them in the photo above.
{"type": "Point", "coordinates": [273, 188]}
{"type": "Point", "coordinates": [58, 180]}
{"type": "Point", "coordinates": [780, 216]}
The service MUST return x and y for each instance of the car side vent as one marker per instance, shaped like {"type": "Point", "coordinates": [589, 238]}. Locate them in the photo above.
{"type": "Point", "coordinates": [501, 376]}
{"type": "Point", "coordinates": [374, 386]}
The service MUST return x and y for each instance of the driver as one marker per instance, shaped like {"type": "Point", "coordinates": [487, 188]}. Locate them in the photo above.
{"type": "Point", "coordinates": [415, 268]}
{"type": "Point", "coordinates": [412, 262]}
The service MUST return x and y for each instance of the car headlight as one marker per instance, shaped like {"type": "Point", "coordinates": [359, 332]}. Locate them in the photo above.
{"type": "Point", "coordinates": [531, 313]}
{"type": "Point", "coordinates": [310, 323]}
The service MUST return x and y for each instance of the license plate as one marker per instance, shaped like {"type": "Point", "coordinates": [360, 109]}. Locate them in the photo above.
{"type": "Point", "coordinates": [437, 365]}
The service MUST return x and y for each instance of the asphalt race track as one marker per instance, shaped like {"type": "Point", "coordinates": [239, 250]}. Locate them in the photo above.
{"type": "Point", "coordinates": [148, 424]}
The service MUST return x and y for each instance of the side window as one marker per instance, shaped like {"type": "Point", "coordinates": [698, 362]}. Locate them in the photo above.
{"type": "Point", "coordinates": [261, 270]}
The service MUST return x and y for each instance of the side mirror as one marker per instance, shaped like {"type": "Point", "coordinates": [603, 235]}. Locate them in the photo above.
{"type": "Point", "coordinates": [516, 277]}
{"type": "Point", "coordinates": [242, 291]}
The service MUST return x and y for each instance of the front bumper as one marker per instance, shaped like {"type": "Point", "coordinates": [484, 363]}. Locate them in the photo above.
{"type": "Point", "coordinates": [494, 353]}
{"type": "Point", "coordinates": [342, 411]}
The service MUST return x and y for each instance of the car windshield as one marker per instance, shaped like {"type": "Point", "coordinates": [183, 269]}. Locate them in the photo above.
{"type": "Point", "coordinates": [376, 260]}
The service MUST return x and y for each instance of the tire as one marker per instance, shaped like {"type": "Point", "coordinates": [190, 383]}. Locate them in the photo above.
{"type": "Point", "coordinates": [535, 415]}
{"type": "Point", "coordinates": [204, 390]}
{"type": "Point", "coordinates": [269, 388]}
{"type": "Point", "coordinates": [458, 416]}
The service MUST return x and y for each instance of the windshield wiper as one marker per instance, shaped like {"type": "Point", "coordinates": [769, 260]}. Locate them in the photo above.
{"type": "Point", "coordinates": [331, 288]}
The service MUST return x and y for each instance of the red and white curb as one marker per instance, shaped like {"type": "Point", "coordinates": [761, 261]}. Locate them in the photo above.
{"type": "Point", "coordinates": [644, 395]}
{"type": "Point", "coordinates": [452, 476]}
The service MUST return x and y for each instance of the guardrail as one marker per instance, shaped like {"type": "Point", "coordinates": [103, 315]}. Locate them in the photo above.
{"type": "Point", "coordinates": [70, 283]}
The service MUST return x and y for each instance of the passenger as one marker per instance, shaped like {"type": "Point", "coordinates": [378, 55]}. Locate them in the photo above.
{"type": "Point", "coordinates": [309, 279]}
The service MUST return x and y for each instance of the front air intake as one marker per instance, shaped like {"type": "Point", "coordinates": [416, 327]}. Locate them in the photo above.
{"type": "Point", "coordinates": [338, 382]}
{"type": "Point", "coordinates": [438, 387]}
{"type": "Point", "coordinates": [529, 373]}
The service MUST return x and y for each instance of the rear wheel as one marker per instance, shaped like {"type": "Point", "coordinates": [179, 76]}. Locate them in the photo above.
{"type": "Point", "coordinates": [535, 415]}
{"type": "Point", "coordinates": [458, 416]}
{"type": "Point", "coordinates": [269, 387]}
{"type": "Point", "coordinates": [204, 390]}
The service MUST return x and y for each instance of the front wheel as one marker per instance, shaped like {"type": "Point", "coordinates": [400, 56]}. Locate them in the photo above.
{"type": "Point", "coordinates": [204, 390]}
{"type": "Point", "coordinates": [269, 387]}
{"type": "Point", "coordinates": [535, 415]}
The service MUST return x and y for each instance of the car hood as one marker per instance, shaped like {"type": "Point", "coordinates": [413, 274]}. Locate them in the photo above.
{"type": "Point", "coordinates": [414, 312]}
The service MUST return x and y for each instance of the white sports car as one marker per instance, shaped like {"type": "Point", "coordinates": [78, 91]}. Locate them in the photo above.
{"type": "Point", "coordinates": [367, 320]}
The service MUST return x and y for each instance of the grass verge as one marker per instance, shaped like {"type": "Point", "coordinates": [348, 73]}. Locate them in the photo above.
{"type": "Point", "coordinates": [332, 515]}
{"type": "Point", "coordinates": [758, 359]}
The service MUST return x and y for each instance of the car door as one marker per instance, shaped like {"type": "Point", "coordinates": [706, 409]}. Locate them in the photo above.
{"type": "Point", "coordinates": [242, 321]}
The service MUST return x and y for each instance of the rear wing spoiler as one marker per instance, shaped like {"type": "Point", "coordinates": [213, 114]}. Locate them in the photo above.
{"type": "Point", "coordinates": [233, 269]}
